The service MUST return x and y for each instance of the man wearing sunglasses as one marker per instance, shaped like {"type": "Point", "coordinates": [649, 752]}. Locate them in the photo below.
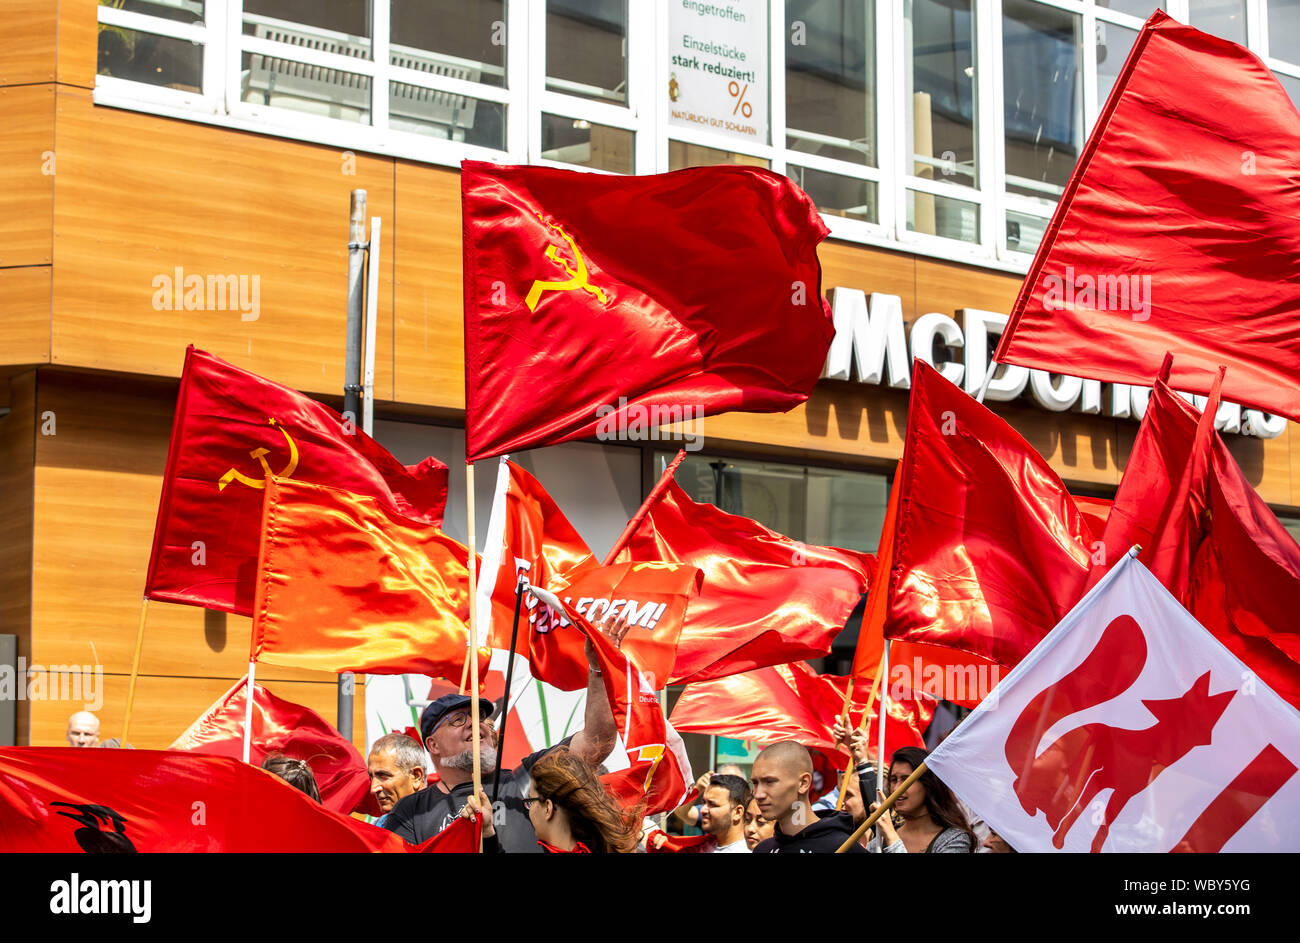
{"type": "Point", "coordinates": [448, 736]}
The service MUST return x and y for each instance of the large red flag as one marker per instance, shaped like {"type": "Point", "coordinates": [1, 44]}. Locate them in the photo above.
{"type": "Point", "coordinates": [990, 550]}
{"type": "Point", "coordinates": [280, 726]}
{"type": "Point", "coordinates": [53, 799]}
{"type": "Point", "coordinates": [766, 599]}
{"type": "Point", "coordinates": [1228, 559]}
{"type": "Point", "coordinates": [232, 429]}
{"type": "Point", "coordinates": [1178, 231]}
{"type": "Point", "coordinates": [603, 303]}
{"type": "Point", "coordinates": [793, 702]}
{"type": "Point", "coordinates": [346, 583]}
{"type": "Point", "coordinates": [658, 772]}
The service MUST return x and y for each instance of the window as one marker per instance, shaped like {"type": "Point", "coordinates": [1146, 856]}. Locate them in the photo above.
{"type": "Point", "coordinates": [586, 48]}
{"type": "Point", "coordinates": [939, 97]}
{"type": "Point", "coordinates": [1284, 30]}
{"type": "Point", "coordinates": [1224, 18]}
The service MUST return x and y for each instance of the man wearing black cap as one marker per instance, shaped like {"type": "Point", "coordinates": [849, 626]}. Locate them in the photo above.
{"type": "Point", "coordinates": [444, 725]}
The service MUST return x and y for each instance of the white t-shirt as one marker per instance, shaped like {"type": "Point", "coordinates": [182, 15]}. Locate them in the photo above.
{"type": "Point", "coordinates": [736, 847]}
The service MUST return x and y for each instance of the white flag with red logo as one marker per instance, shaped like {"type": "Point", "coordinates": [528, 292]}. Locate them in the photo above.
{"type": "Point", "coordinates": [658, 769]}
{"type": "Point", "coordinates": [1130, 728]}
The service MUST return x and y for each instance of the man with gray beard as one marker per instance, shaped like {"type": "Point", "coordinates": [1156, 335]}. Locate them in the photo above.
{"type": "Point", "coordinates": [445, 727]}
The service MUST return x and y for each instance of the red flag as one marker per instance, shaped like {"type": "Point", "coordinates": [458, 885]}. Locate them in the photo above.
{"type": "Point", "coordinates": [1236, 568]}
{"type": "Point", "coordinates": [280, 726]}
{"type": "Point", "coordinates": [348, 584]}
{"type": "Point", "coordinates": [658, 770]}
{"type": "Point", "coordinates": [990, 550]}
{"type": "Point", "coordinates": [53, 799]}
{"type": "Point", "coordinates": [634, 300]}
{"type": "Point", "coordinates": [232, 429]}
{"type": "Point", "coordinates": [793, 702]}
{"type": "Point", "coordinates": [766, 599]}
{"type": "Point", "coordinates": [529, 536]}
{"type": "Point", "coordinates": [1178, 231]}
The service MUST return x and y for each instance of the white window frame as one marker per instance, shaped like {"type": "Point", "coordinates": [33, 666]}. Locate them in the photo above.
{"type": "Point", "coordinates": [646, 113]}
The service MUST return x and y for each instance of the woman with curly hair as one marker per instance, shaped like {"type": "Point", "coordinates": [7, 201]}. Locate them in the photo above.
{"type": "Point", "coordinates": [932, 819]}
{"type": "Point", "coordinates": [571, 810]}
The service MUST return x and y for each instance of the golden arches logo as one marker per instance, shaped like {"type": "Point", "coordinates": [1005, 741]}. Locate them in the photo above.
{"type": "Point", "coordinates": [233, 474]}
{"type": "Point", "coordinates": [577, 271]}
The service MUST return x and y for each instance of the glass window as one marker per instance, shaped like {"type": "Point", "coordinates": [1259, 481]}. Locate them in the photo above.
{"type": "Point", "coordinates": [1284, 30]}
{"type": "Point", "coordinates": [1041, 60]}
{"type": "Point", "coordinates": [145, 57]}
{"type": "Point", "coordinates": [586, 48]}
{"type": "Point", "coordinates": [1225, 18]}
{"type": "Point", "coordinates": [837, 194]}
{"type": "Point", "coordinates": [1114, 43]}
{"type": "Point", "coordinates": [940, 93]}
{"type": "Point", "coordinates": [300, 86]}
{"type": "Point", "coordinates": [446, 115]}
{"type": "Point", "coordinates": [180, 11]}
{"type": "Point", "coordinates": [577, 141]}
{"type": "Point", "coordinates": [340, 26]}
{"type": "Point", "coordinates": [1025, 231]}
{"type": "Point", "coordinates": [822, 506]}
{"type": "Point", "coordinates": [1292, 86]}
{"type": "Point", "coordinates": [681, 154]}
{"type": "Point", "coordinates": [830, 79]}
{"type": "Point", "coordinates": [1139, 8]}
{"type": "Point", "coordinates": [942, 216]}
{"type": "Point", "coordinates": [462, 39]}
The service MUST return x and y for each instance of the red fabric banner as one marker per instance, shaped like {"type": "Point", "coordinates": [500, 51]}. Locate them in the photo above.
{"type": "Point", "coordinates": [597, 303]}
{"type": "Point", "coordinates": [280, 726]}
{"type": "Point", "coordinates": [766, 599]}
{"type": "Point", "coordinates": [53, 799]}
{"type": "Point", "coordinates": [990, 550]}
{"type": "Point", "coordinates": [1178, 231]}
{"type": "Point", "coordinates": [232, 429]}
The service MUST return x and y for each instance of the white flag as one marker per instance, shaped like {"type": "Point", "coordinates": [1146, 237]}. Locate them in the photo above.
{"type": "Point", "coordinates": [1130, 728]}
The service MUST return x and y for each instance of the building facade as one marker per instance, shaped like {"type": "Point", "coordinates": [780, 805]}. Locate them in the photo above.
{"type": "Point", "coordinates": [178, 172]}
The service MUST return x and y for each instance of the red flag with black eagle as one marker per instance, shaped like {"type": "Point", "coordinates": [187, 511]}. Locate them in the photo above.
{"type": "Point", "coordinates": [233, 429]}
{"type": "Point", "coordinates": [592, 299]}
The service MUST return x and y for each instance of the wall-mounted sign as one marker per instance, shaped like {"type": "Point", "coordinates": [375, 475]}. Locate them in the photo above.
{"type": "Point", "coordinates": [718, 74]}
{"type": "Point", "coordinates": [870, 344]}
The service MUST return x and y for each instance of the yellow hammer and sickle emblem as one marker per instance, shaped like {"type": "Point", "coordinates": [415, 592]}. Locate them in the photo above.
{"type": "Point", "coordinates": [233, 474]}
{"type": "Point", "coordinates": [577, 272]}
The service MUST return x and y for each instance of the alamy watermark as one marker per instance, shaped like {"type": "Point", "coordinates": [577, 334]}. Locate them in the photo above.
{"type": "Point", "coordinates": [641, 423]}
{"type": "Point", "coordinates": [954, 682]}
{"type": "Point", "coordinates": [75, 683]}
{"type": "Point", "coordinates": [1130, 293]}
{"type": "Point", "coordinates": [193, 292]}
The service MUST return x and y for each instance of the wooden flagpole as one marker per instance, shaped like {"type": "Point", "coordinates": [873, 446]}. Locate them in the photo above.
{"type": "Point", "coordinates": [472, 653]}
{"type": "Point", "coordinates": [884, 807]}
{"type": "Point", "coordinates": [135, 669]}
{"type": "Point", "coordinates": [644, 509]}
{"type": "Point", "coordinates": [866, 725]}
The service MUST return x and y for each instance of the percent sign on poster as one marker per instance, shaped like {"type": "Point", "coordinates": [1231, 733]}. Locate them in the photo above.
{"type": "Point", "coordinates": [735, 90]}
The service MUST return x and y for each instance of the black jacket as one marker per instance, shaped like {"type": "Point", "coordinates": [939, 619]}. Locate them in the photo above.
{"type": "Point", "coordinates": [821, 837]}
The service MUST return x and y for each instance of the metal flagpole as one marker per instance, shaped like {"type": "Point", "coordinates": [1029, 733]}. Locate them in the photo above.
{"type": "Point", "coordinates": [352, 383]}
{"type": "Point", "coordinates": [882, 761]}
{"type": "Point", "coordinates": [505, 701]}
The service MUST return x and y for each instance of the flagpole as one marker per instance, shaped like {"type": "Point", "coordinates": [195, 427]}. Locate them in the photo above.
{"type": "Point", "coordinates": [988, 378]}
{"type": "Point", "coordinates": [884, 807]}
{"type": "Point", "coordinates": [660, 486]}
{"type": "Point", "coordinates": [866, 725]}
{"type": "Point", "coordinates": [472, 654]}
{"type": "Point", "coordinates": [505, 701]}
{"type": "Point", "coordinates": [135, 669]}
{"type": "Point", "coordinates": [881, 762]}
{"type": "Point", "coordinates": [248, 710]}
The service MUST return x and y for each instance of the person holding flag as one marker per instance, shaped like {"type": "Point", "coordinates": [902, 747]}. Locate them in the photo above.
{"type": "Point", "coordinates": [782, 780]}
{"type": "Point", "coordinates": [445, 728]}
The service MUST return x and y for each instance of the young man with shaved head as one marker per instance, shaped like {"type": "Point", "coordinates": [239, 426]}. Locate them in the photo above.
{"type": "Point", "coordinates": [782, 780]}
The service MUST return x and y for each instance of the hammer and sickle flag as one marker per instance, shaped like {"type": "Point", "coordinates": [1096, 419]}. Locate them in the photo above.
{"type": "Point", "coordinates": [597, 302]}
{"type": "Point", "coordinates": [233, 430]}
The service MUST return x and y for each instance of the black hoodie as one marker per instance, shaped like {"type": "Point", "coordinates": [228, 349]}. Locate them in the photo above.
{"type": "Point", "coordinates": [821, 837]}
